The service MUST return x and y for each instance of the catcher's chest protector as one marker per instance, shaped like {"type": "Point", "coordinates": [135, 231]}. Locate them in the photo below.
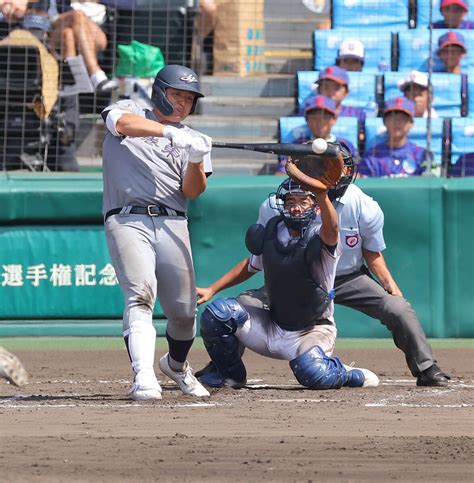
{"type": "Point", "coordinates": [296, 300]}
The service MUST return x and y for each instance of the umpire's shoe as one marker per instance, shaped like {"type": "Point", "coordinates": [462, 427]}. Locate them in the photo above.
{"type": "Point", "coordinates": [433, 376]}
{"type": "Point", "coordinates": [11, 368]}
{"type": "Point", "coordinates": [185, 378]}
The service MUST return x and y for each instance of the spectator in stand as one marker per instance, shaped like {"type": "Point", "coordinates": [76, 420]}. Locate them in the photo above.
{"type": "Point", "coordinates": [321, 116]}
{"type": "Point", "coordinates": [333, 82]}
{"type": "Point", "coordinates": [451, 49]}
{"type": "Point", "coordinates": [350, 55]}
{"type": "Point", "coordinates": [416, 88]}
{"type": "Point", "coordinates": [464, 166]}
{"type": "Point", "coordinates": [453, 12]}
{"type": "Point", "coordinates": [396, 156]}
{"type": "Point", "coordinates": [76, 32]}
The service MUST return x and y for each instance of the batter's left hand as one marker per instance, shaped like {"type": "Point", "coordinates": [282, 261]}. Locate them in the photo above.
{"type": "Point", "coordinates": [204, 294]}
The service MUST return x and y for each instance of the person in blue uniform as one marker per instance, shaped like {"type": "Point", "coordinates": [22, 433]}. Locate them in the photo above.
{"type": "Point", "coordinates": [396, 156]}
{"type": "Point", "coordinates": [454, 13]}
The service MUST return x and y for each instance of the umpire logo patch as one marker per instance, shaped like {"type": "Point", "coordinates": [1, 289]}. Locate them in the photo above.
{"type": "Point", "coordinates": [352, 240]}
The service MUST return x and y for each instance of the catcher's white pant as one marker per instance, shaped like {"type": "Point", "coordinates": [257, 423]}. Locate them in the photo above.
{"type": "Point", "coordinates": [260, 334]}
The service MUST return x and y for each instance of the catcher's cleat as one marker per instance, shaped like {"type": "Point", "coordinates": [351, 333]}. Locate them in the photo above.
{"type": "Point", "coordinates": [433, 376]}
{"type": "Point", "coordinates": [185, 379]}
{"type": "Point", "coordinates": [12, 369]}
{"type": "Point", "coordinates": [357, 377]}
{"type": "Point", "coordinates": [211, 377]}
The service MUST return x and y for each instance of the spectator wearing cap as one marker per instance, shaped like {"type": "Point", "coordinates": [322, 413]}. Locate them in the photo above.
{"type": "Point", "coordinates": [333, 82]}
{"type": "Point", "coordinates": [451, 49]}
{"type": "Point", "coordinates": [464, 166]}
{"type": "Point", "coordinates": [320, 113]}
{"type": "Point", "coordinates": [416, 88]}
{"type": "Point", "coordinates": [350, 55]}
{"type": "Point", "coordinates": [453, 12]}
{"type": "Point", "coordinates": [396, 156]}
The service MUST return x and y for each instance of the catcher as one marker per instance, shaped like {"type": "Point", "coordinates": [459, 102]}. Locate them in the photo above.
{"type": "Point", "coordinates": [298, 256]}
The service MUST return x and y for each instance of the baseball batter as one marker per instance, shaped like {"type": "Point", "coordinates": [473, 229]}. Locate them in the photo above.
{"type": "Point", "coordinates": [298, 255]}
{"type": "Point", "coordinates": [361, 223]}
{"type": "Point", "coordinates": [151, 165]}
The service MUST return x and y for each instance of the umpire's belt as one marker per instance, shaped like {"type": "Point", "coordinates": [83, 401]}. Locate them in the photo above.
{"type": "Point", "coordinates": [150, 210]}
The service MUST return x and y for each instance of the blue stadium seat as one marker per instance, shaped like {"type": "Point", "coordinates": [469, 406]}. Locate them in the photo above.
{"type": "Point", "coordinates": [462, 137]}
{"type": "Point", "coordinates": [470, 90]}
{"type": "Point", "coordinates": [293, 127]}
{"type": "Point", "coordinates": [367, 14]}
{"type": "Point", "coordinates": [377, 45]}
{"type": "Point", "coordinates": [423, 11]}
{"type": "Point", "coordinates": [362, 90]}
{"type": "Point", "coordinates": [413, 49]}
{"type": "Point", "coordinates": [375, 133]}
{"type": "Point", "coordinates": [448, 95]}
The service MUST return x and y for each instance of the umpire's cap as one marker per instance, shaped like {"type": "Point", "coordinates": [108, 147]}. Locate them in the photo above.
{"type": "Point", "coordinates": [178, 77]}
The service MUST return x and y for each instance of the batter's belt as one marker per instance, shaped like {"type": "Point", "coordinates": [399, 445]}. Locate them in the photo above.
{"type": "Point", "coordinates": [150, 210]}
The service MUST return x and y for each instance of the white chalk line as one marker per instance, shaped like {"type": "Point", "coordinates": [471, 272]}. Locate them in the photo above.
{"type": "Point", "coordinates": [399, 400]}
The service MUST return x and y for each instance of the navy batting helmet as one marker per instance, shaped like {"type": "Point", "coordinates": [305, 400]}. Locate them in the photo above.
{"type": "Point", "coordinates": [295, 222]}
{"type": "Point", "coordinates": [177, 77]}
{"type": "Point", "coordinates": [348, 174]}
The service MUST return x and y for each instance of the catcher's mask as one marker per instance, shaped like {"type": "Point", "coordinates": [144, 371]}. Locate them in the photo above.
{"type": "Point", "coordinates": [298, 221]}
{"type": "Point", "coordinates": [178, 77]}
{"type": "Point", "coordinates": [348, 175]}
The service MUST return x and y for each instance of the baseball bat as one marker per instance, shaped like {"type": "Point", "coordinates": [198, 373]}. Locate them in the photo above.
{"type": "Point", "coordinates": [286, 149]}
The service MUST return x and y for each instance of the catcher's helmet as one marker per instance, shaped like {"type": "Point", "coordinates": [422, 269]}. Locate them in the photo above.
{"type": "Point", "coordinates": [348, 174]}
{"type": "Point", "coordinates": [178, 77]}
{"type": "Point", "coordinates": [294, 222]}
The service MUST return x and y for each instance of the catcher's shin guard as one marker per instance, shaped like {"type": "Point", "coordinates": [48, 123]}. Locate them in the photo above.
{"type": "Point", "coordinates": [315, 370]}
{"type": "Point", "coordinates": [219, 321]}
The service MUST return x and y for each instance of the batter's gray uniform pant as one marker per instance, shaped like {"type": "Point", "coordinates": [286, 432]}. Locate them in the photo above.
{"type": "Point", "coordinates": [152, 257]}
{"type": "Point", "coordinates": [361, 292]}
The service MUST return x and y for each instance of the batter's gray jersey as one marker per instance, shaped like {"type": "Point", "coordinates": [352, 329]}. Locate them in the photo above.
{"type": "Point", "coordinates": [144, 171]}
{"type": "Point", "coordinates": [360, 226]}
{"type": "Point", "coordinates": [323, 269]}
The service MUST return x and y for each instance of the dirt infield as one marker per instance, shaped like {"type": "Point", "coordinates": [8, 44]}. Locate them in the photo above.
{"type": "Point", "coordinates": [74, 422]}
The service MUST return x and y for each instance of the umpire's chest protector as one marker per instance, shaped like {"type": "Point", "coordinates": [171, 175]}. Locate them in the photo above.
{"type": "Point", "coordinates": [296, 299]}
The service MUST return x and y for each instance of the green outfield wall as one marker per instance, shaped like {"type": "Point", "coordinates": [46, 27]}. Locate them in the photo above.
{"type": "Point", "coordinates": [56, 277]}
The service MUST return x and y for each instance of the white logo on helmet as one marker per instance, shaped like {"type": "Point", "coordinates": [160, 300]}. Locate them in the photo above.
{"type": "Point", "coordinates": [188, 79]}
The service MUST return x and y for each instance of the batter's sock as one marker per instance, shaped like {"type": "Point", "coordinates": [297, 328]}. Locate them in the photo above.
{"type": "Point", "coordinates": [178, 352]}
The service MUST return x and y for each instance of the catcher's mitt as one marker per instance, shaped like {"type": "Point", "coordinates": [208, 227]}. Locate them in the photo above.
{"type": "Point", "coordinates": [317, 173]}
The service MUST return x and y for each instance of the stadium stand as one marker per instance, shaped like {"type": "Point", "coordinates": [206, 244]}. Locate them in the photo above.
{"type": "Point", "coordinates": [362, 90]}
{"type": "Point", "coordinates": [462, 137]}
{"type": "Point", "coordinates": [294, 127]}
{"type": "Point", "coordinates": [375, 133]}
{"type": "Point", "coordinates": [414, 49]}
{"type": "Point", "coordinates": [370, 14]}
{"type": "Point", "coordinates": [423, 11]}
{"type": "Point", "coordinates": [449, 92]}
{"type": "Point", "coordinates": [377, 46]}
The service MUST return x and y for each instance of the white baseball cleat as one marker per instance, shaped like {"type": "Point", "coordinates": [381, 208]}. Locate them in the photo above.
{"type": "Point", "coordinates": [145, 387]}
{"type": "Point", "coordinates": [185, 379]}
{"type": "Point", "coordinates": [359, 377]}
{"type": "Point", "coordinates": [12, 369]}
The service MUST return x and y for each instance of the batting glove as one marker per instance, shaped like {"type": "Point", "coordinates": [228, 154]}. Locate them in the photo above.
{"type": "Point", "coordinates": [200, 146]}
{"type": "Point", "coordinates": [179, 137]}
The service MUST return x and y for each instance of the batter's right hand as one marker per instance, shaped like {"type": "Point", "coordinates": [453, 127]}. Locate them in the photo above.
{"type": "Point", "coordinates": [204, 294]}
{"type": "Point", "coordinates": [200, 146]}
{"type": "Point", "coordinates": [178, 137]}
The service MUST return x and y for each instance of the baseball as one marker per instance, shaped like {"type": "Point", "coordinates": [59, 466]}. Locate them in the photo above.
{"type": "Point", "coordinates": [319, 145]}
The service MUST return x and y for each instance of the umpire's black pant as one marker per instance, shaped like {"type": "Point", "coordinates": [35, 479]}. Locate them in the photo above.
{"type": "Point", "coordinates": [361, 292]}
